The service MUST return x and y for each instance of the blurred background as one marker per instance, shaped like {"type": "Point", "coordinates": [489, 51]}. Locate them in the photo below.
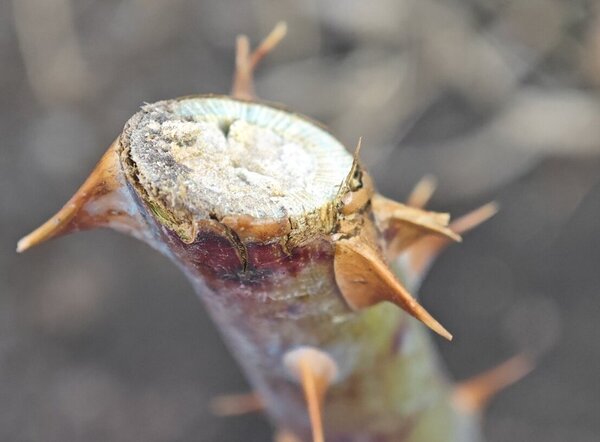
{"type": "Point", "coordinates": [102, 339]}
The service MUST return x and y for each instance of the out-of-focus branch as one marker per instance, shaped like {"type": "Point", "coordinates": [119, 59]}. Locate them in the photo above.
{"type": "Point", "coordinates": [51, 51]}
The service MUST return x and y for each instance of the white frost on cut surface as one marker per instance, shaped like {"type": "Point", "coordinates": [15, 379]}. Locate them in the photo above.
{"type": "Point", "coordinates": [252, 163]}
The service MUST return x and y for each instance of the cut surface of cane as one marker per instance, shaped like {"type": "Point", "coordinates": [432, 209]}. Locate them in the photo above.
{"type": "Point", "coordinates": [283, 235]}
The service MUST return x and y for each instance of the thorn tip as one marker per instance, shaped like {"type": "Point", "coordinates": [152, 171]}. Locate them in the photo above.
{"type": "Point", "coordinates": [246, 61]}
{"type": "Point", "coordinates": [99, 202]}
{"type": "Point", "coordinates": [357, 148]}
{"type": "Point", "coordinates": [474, 394]}
{"type": "Point", "coordinates": [422, 192]}
{"type": "Point", "coordinates": [364, 280]}
{"type": "Point", "coordinates": [474, 218]}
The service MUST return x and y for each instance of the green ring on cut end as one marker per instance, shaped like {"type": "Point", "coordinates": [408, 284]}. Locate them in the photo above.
{"type": "Point", "coordinates": [206, 157]}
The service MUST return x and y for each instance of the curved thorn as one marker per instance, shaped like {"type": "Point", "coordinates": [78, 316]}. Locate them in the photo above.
{"type": "Point", "coordinates": [422, 192]}
{"type": "Point", "coordinates": [246, 62]}
{"type": "Point", "coordinates": [345, 186]}
{"type": "Point", "coordinates": [474, 394]}
{"type": "Point", "coordinates": [102, 201]}
{"type": "Point", "coordinates": [315, 370]}
{"type": "Point", "coordinates": [421, 255]}
{"type": "Point", "coordinates": [403, 225]}
{"type": "Point", "coordinates": [236, 404]}
{"type": "Point", "coordinates": [365, 280]}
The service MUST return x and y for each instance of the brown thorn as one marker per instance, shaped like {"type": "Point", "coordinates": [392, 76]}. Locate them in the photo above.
{"type": "Point", "coordinates": [246, 62]}
{"type": "Point", "coordinates": [357, 149]}
{"type": "Point", "coordinates": [403, 225]}
{"type": "Point", "coordinates": [243, 82]}
{"type": "Point", "coordinates": [315, 370]}
{"type": "Point", "coordinates": [242, 52]}
{"type": "Point", "coordinates": [345, 187]}
{"type": "Point", "coordinates": [365, 280]}
{"type": "Point", "coordinates": [97, 203]}
{"type": "Point", "coordinates": [422, 192]}
{"type": "Point", "coordinates": [236, 404]}
{"type": "Point", "coordinates": [473, 395]}
{"type": "Point", "coordinates": [285, 436]}
{"type": "Point", "coordinates": [424, 252]}
{"type": "Point", "coordinates": [268, 44]}
{"type": "Point", "coordinates": [474, 218]}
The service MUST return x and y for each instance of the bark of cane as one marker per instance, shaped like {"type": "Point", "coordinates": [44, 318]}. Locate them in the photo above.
{"type": "Point", "coordinates": [266, 274]}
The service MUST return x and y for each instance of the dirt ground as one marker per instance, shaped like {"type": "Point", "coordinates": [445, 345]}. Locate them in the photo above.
{"type": "Point", "coordinates": [102, 339]}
